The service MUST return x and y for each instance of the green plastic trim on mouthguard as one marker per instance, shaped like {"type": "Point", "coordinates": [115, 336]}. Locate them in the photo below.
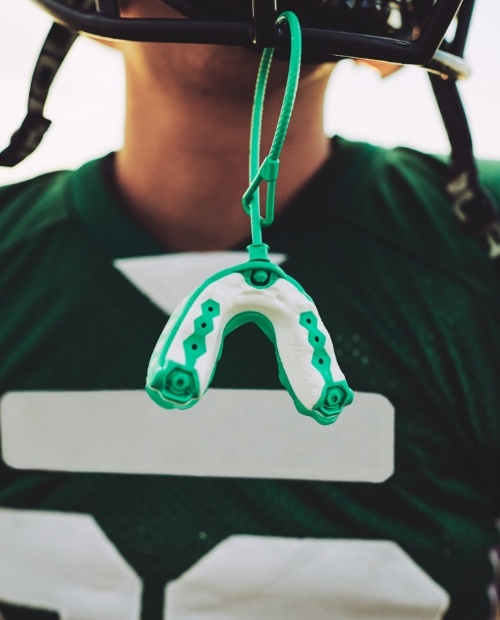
{"type": "Point", "coordinates": [184, 360]}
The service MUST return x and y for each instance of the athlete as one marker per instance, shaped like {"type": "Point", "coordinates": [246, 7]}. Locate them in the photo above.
{"type": "Point", "coordinates": [114, 509]}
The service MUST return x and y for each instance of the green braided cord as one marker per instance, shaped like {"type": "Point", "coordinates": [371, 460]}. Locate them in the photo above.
{"type": "Point", "coordinates": [268, 170]}
{"type": "Point", "coordinates": [258, 110]}
{"type": "Point", "coordinates": [255, 134]}
{"type": "Point", "coordinates": [291, 84]}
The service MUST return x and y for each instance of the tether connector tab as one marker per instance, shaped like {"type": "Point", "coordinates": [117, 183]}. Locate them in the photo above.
{"type": "Point", "coordinates": [268, 172]}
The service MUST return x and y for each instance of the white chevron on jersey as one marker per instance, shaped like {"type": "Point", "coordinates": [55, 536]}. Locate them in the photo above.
{"type": "Point", "coordinates": [168, 278]}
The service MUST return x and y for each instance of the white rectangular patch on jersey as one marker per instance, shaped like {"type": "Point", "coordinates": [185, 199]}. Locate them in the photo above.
{"type": "Point", "coordinates": [230, 433]}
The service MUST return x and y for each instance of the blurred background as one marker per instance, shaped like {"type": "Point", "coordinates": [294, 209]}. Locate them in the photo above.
{"type": "Point", "coordinates": [86, 103]}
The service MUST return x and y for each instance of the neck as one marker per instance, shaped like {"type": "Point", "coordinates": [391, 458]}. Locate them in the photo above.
{"type": "Point", "coordinates": [183, 172]}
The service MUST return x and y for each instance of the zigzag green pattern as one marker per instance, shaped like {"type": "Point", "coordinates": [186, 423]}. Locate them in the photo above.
{"type": "Point", "coordinates": [195, 344]}
{"type": "Point", "coordinates": [320, 359]}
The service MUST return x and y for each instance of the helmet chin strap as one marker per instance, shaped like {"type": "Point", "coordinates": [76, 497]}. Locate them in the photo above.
{"type": "Point", "coordinates": [29, 135]}
{"type": "Point", "coordinates": [54, 50]}
{"type": "Point", "coordinates": [474, 207]}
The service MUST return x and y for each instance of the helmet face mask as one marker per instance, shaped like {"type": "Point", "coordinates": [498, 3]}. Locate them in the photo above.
{"type": "Point", "coordinates": [399, 19]}
{"type": "Point", "coordinates": [398, 31]}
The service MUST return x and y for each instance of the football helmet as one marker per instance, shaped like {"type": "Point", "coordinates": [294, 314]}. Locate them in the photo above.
{"type": "Point", "coordinates": [397, 31]}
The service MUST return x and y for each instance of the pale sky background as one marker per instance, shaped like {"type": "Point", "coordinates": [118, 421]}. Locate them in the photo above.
{"type": "Point", "coordinates": [87, 108]}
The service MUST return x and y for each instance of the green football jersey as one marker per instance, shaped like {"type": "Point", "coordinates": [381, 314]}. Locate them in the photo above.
{"type": "Point", "coordinates": [242, 508]}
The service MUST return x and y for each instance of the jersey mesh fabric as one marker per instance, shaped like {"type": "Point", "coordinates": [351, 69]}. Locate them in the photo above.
{"type": "Point", "coordinates": [413, 311]}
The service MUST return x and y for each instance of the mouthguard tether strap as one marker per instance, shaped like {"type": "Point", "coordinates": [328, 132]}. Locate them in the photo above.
{"type": "Point", "coordinates": [184, 360]}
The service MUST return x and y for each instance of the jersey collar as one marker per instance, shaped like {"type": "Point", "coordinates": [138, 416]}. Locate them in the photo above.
{"type": "Point", "coordinates": [97, 205]}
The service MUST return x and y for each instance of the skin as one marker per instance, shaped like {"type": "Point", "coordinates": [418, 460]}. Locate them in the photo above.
{"type": "Point", "coordinates": [184, 164]}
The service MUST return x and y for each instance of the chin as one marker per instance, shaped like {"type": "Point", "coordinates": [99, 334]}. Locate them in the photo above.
{"type": "Point", "coordinates": [147, 8]}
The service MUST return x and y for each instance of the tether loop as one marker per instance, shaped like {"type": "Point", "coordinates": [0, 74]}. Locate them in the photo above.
{"type": "Point", "coordinates": [268, 170]}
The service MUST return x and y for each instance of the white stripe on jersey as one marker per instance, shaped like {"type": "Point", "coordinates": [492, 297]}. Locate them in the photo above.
{"type": "Point", "coordinates": [234, 433]}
